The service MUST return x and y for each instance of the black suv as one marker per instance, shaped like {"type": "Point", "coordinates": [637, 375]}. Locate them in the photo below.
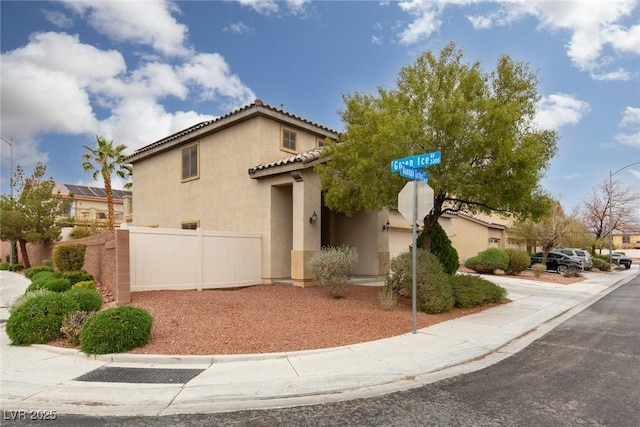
{"type": "Point", "coordinates": [557, 261]}
{"type": "Point", "coordinates": [620, 259]}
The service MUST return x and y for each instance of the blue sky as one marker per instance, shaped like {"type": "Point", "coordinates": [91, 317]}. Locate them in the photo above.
{"type": "Point", "coordinates": [138, 71]}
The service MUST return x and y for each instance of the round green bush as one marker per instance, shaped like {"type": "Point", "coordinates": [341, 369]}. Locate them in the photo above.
{"type": "Point", "coordinates": [87, 299]}
{"type": "Point", "coordinates": [472, 291]}
{"type": "Point", "coordinates": [5, 266]}
{"type": "Point", "coordinates": [27, 296]}
{"type": "Point", "coordinates": [87, 284]}
{"type": "Point", "coordinates": [69, 256]}
{"type": "Point", "coordinates": [30, 272]}
{"type": "Point", "coordinates": [488, 261]}
{"type": "Point", "coordinates": [76, 276]}
{"type": "Point", "coordinates": [56, 284]}
{"type": "Point", "coordinates": [116, 330]}
{"type": "Point", "coordinates": [38, 319]}
{"type": "Point", "coordinates": [433, 289]}
{"type": "Point", "coordinates": [519, 261]}
{"type": "Point", "coordinates": [39, 279]}
{"type": "Point", "coordinates": [601, 264]}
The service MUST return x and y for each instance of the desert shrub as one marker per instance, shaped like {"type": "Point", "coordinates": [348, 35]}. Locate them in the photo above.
{"type": "Point", "coordinates": [116, 330]}
{"type": "Point", "coordinates": [519, 261]}
{"type": "Point", "coordinates": [87, 299]}
{"type": "Point", "coordinates": [56, 284]}
{"type": "Point", "coordinates": [538, 269]}
{"type": "Point", "coordinates": [441, 247]}
{"type": "Point", "coordinates": [85, 284]}
{"type": "Point", "coordinates": [488, 261]}
{"type": "Point", "coordinates": [32, 271]}
{"type": "Point", "coordinates": [433, 290]}
{"type": "Point", "coordinates": [27, 296]}
{"type": "Point", "coordinates": [47, 262]}
{"type": "Point", "coordinates": [69, 256]}
{"type": "Point", "coordinates": [601, 264]}
{"type": "Point", "coordinates": [72, 325]}
{"type": "Point", "coordinates": [388, 299]}
{"type": "Point", "coordinates": [5, 266]}
{"type": "Point", "coordinates": [39, 280]}
{"type": "Point", "coordinates": [472, 291]}
{"type": "Point", "coordinates": [38, 319]}
{"type": "Point", "coordinates": [572, 272]}
{"type": "Point", "coordinates": [16, 267]}
{"type": "Point", "coordinates": [76, 276]}
{"type": "Point", "coordinates": [330, 267]}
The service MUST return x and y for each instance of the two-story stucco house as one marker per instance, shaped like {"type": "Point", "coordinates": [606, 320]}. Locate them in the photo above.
{"type": "Point", "coordinates": [252, 170]}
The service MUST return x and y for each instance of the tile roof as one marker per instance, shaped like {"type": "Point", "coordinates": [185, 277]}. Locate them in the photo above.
{"type": "Point", "coordinates": [304, 159]}
{"type": "Point", "coordinates": [257, 106]}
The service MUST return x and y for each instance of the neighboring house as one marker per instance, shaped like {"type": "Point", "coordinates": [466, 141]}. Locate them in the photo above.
{"type": "Point", "coordinates": [469, 234]}
{"type": "Point", "coordinates": [89, 204]}
{"type": "Point", "coordinates": [252, 171]}
{"type": "Point", "coordinates": [626, 239]}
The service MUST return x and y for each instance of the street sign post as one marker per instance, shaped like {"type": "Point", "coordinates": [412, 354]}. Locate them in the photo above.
{"type": "Point", "coordinates": [421, 200]}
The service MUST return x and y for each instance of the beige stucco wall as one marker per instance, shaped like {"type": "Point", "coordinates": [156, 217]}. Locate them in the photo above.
{"type": "Point", "coordinates": [226, 198]}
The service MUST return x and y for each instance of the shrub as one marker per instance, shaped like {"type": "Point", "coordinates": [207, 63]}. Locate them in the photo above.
{"type": "Point", "coordinates": [87, 284]}
{"type": "Point", "coordinates": [572, 272]}
{"type": "Point", "coordinates": [472, 291]}
{"type": "Point", "coordinates": [488, 261]}
{"type": "Point", "coordinates": [441, 247]}
{"type": "Point", "coordinates": [87, 299]}
{"type": "Point", "coordinates": [39, 280]}
{"type": "Point", "coordinates": [519, 261]}
{"type": "Point", "coordinates": [32, 271]}
{"type": "Point", "coordinates": [27, 296]}
{"type": "Point", "coordinates": [388, 299]}
{"type": "Point", "coordinates": [601, 264]}
{"type": "Point", "coordinates": [116, 330]}
{"type": "Point", "coordinates": [69, 256]}
{"type": "Point", "coordinates": [5, 266]}
{"type": "Point", "coordinates": [76, 276]}
{"type": "Point", "coordinates": [16, 267]}
{"type": "Point", "coordinates": [55, 284]}
{"type": "Point", "coordinates": [538, 269]}
{"type": "Point", "coordinates": [48, 263]}
{"type": "Point", "coordinates": [434, 293]}
{"type": "Point", "coordinates": [330, 267]}
{"type": "Point", "coordinates": [38, 319]}
{"type": "Point", "coordinates": [72, 325]}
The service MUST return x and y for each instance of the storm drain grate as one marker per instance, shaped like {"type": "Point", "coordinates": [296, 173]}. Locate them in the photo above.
{"type": "Point", "coordinates": [110, 374]}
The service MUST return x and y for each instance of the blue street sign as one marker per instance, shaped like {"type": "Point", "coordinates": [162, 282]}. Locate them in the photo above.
{"type": "Point", "coordinates": [418, 161]}
{"type": "Point", "coordinates": [413, 173]}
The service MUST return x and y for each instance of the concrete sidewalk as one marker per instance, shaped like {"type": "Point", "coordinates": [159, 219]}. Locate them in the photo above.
{"type": "Point", "coordinates": [41, 377]}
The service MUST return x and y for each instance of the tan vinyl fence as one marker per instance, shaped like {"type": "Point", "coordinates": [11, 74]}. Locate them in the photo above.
{"type": "Point", "coordinates": [163, 258]}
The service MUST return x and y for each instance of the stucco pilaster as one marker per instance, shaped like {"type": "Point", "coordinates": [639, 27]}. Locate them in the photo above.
{"type": "Point", "coordinates": [306, 235]}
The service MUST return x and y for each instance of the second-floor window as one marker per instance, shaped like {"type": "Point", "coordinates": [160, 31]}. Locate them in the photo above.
{"type": "Point", "coordinates": [288, 140]}
{"type": "Point", "coordinates": [190, 162]}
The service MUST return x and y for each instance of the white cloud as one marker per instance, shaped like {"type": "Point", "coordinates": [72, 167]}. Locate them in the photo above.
{"type": "Point", "coordinates": [239, 28]}
{"type": "Point", "coordinates": [265, 7]}
{"type": "Point", "coordinates": [594, 25]}
{"type": "Point", "coordinates": [630, 120]}
{"type": "Point", "coordinates": [57, 18]}
{"type": "Point", "coordinates": [144, 23]}
{"type": "Point", "coordinates": [212, 75]}
{"type": "Point", "coordinates": [560, 109]}
{"type": "Point", "coordinates": [617, 75]}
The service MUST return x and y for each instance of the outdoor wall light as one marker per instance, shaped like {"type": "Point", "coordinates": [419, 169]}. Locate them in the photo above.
{"type": "Point", "coordinates": [386, 227]}
{"type": "Point", "coordinates": [313, 218]}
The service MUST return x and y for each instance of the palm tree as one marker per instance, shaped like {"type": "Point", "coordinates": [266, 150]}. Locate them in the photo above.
{"type": "Point", "coordinates": [104, 160]}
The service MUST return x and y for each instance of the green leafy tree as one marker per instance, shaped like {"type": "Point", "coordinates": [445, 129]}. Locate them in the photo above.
{"type": "Point", "coordinates": [32, 217]}
{"type": "Point", "coordinates": [104, 160]}
{"type": "Point", "coordinates": [493, 155]}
